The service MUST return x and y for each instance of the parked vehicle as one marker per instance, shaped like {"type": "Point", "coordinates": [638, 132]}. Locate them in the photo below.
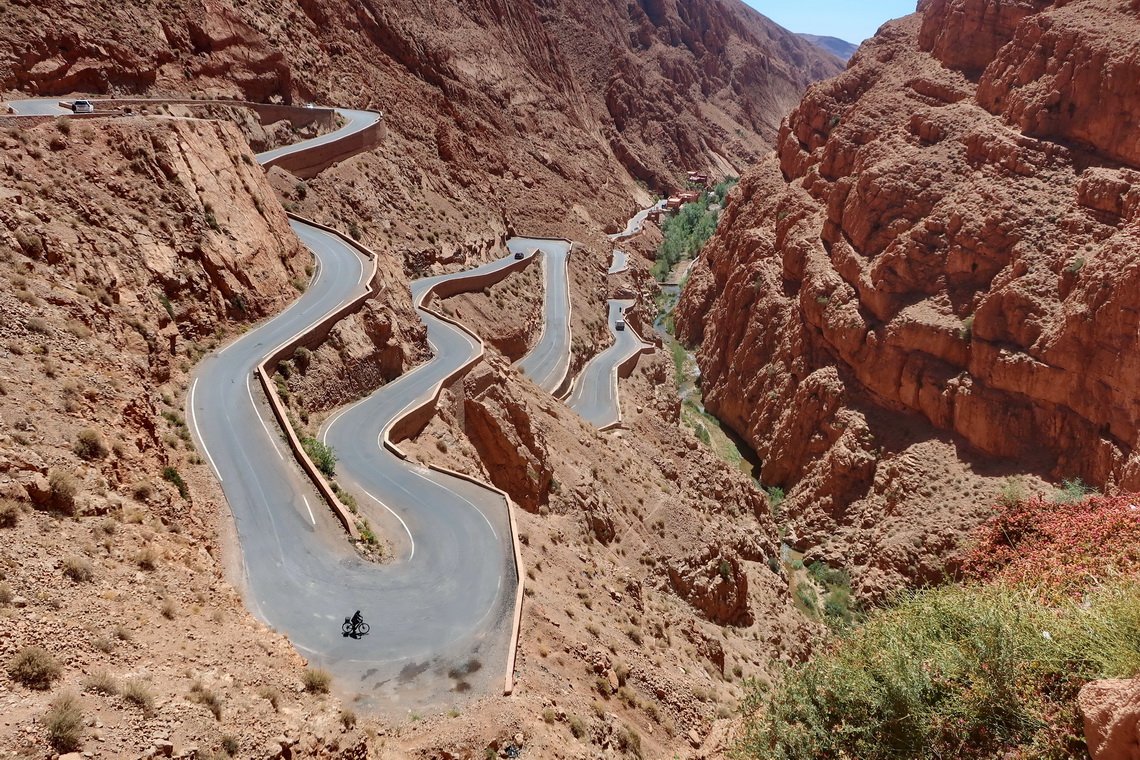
{"type": "Point", "coordinates": [83, 106]}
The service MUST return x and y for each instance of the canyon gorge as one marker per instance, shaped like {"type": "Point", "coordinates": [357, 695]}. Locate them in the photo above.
{"type": "Point", "coordinates": [918, 304]}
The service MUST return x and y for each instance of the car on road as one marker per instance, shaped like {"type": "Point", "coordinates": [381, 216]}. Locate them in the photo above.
{"type": "Point", "coordinates": [83, 106]}
{"type": "Point", "coordinates": [519, 255]}
{"type": "Point", "coordinates": [620, 324]}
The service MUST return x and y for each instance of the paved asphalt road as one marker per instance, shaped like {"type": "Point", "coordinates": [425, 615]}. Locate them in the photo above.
{"type": "Point", "coordinates": [37, 108]}
{"type": "Point", "coordinates": [549, 361]}
{"type": "Point", "coordinates": [440, 610]}
{"type": "Point", "coordinates": [634, 224]}
{"type": "Point", "coordinates": [355, 121]}
{"type": "Point", "coordinates": [620, 262]}
{"type": "Point", "coordinates": [595, 395]}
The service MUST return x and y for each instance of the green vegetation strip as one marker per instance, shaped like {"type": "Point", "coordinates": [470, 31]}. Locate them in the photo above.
{"type": "Point", "coordinates": [951, 672]}
{"type": "Point", "coordinates": [687, 231]}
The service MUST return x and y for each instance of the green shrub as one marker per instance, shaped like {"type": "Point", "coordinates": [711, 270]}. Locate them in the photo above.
{"type": "Point", "coordinates": [34, 667]}
{"type": "Point", "coordinates": [170, 474]}
{"type": "Point", "coordinates": [577, 726]}
{"type": "Point", "coordinates": [1072, 491]}
{"type": "Point", "coordinates": [323, 456]}
{"type": "Point", "coordinates": [64, 722]}
{"type": "Point", "coordinates": [302, 357]}
{"type": "Point", "coordinates": [138, 694]}
{"type": "Point", "coordinates": [147, 559]}
{"type": "Point", "coordinates": [272, 695]}
{"type": "Point", "coordinates": [89, 445]}
{"type": "Point", "coordinates": [63, 488]}
{"type": "Point", "coordinates": [31, 243]}
{"type": "Point", "coordinates": [965, 672]}
{"type": "Point", "coordinates": [208, 697]}
{"type": "Point", "coordinates": [9, 513]}
{"type": "Point", "coordinates": [78, 569]}
{"type": "Point", "coordinates": [316, 680]}
{"type": "Point", "coordinates": [687, 231]}
{"type": "Point", "coordinates": [101, 682]}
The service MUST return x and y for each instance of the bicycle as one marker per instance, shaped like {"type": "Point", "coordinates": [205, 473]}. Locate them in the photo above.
{"type": "Point", "coordinates": [347, 628]}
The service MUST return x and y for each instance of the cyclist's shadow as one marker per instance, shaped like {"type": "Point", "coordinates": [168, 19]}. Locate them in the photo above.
{"type": "Point", "coordinates": [350, 631]}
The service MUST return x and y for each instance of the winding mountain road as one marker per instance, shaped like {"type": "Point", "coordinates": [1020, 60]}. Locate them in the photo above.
{"type": "Point", "coordinates": [548, 363]}
{"type": "Point", "coordinates": [441, 610]}
{"type": "Point", "coordinates": [595, 395]}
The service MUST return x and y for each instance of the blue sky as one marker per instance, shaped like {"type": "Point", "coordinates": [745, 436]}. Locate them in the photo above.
{"type": "Point", "coordinates": [845, 19]}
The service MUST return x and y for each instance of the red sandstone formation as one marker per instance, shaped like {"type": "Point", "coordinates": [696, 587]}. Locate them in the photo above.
{"type": "Point", "coordinates": [936, 282]}
{"type": "Point", "coordinates": [490, 86]}
{"type": "Point", "coordinates": [1111, 710]}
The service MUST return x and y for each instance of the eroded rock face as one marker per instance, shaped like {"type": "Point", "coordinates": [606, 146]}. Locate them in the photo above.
{"type": "Point", "coordinates": [1111, 711]}
{"type": "Point", "coordinates": [469, 83]}
{"type": "Point", "coordinates": [713, 581]}
{"type": "Point", "coordinates": [510, 446]}
{"type": "Point", "coordinates": [71, 50]}
{"type": "Point", "coordinates": [937, 265]}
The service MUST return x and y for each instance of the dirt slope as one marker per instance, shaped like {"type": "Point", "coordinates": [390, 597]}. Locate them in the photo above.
{"type": "Point", "coordinates": [128, 249]}
{"type": "Point", "coordinates": [932, 286]}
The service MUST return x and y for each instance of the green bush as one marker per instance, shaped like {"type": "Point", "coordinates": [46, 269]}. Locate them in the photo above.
{"type": "Point", "coordinates": [687, 231]}
{"type": "Point", "coordinates": [316, 680]}
{"type": "Point", "coordinates": [63, 486]}
{"type": "Point", "coordinates": [1072, 491]}
{"type": "Point", "coordinates": [138, 694]}
{"type": "Point", "coordinates": [64, 722]}
{"type": "Point", "coordinates": [89, 445]}
{"type": "Point", "coordinates": [963, 672]}
{"type": "Point", "coordinates": [323, 456]}
{"type": "Point", "coordinates": [9, 513]}
{"type": "Point", "coordinates": [34, 667]}
{"type": "Point", "coordinates": [170, 475]}
{"type": "Point", "coordinates": [78, 569]}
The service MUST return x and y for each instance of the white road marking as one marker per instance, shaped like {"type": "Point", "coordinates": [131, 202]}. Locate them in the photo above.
{"type": "Point", "coordinates": [201, 440]}
{"type": "Point", "coordinates": [456, 493]}
{"type": "Point", "coordinates": [369, 495]}
{"type": "Point", "coordinates": [313, 519]}
{"type": "Point", "coordinates": [272, 440]}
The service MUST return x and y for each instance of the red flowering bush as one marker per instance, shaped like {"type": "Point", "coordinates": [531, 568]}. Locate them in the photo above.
{"type": "Point", "coordinates": [1059, 548]}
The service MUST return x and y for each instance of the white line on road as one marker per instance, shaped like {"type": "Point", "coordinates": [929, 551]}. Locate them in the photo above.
{"type": "Point", "coordinates": [272, 440]}
{"type": "Point", "coordinates": [201, 440]}
{"type": "Point", "coordinates": [369, 495]}
{"type": "Point", "coordinates": [494, 533]}
{"type": "Point", "coordinates": [306, 498]}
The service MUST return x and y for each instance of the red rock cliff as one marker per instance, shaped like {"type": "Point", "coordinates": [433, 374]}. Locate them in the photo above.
{"type": "Point", "coordinates": [937, 279]}
{"type": "Point", "coordinates": [656, 87]}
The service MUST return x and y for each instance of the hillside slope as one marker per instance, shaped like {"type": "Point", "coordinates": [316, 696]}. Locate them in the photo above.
{"type": "Point", "coordinates": [571, 88]}
{"type": "Point", "coordinates": [933, 285]}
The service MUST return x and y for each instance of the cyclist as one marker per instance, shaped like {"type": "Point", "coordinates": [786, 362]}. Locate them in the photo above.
{"type": "Point", "coordinates": [357, 619]}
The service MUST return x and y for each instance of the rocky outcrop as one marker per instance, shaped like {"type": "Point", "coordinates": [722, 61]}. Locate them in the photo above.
{"type": "Point", "coordinates": [511, 447]}
{"type": "Point", "coordinates": [487, 86]}
{"type": "Point", "coordinates": [942, 258]}
{"type": "Point", "coordinates": [715, 582]}
{"type": "Point", "coordinates": [1111, 711]}
{"type": "Point", "coordinates": [363, 352]}
{"type": "Point", "coordinates": [70, 47]}
{"type": "Point", "coordinates": [653, 68]}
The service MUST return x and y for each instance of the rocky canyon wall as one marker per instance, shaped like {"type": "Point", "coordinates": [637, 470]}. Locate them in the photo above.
{"type": "Point", "coordinates": [934, 283]}
{"type": "Point", "coordinates": [550, 96]}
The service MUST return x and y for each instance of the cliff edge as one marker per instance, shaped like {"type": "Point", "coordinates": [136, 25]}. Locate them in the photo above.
{"type": "Point", "coordinates": [932, 286]}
